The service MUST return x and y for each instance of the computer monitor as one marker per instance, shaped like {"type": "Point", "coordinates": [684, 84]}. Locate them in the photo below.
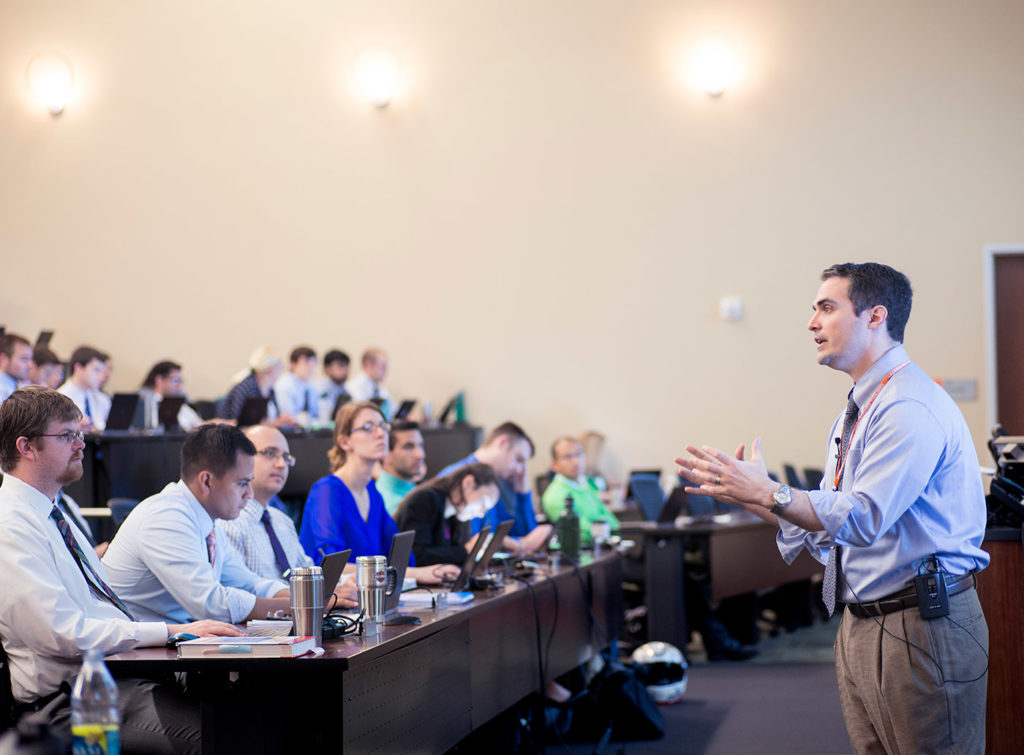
{"type": "Point", "coordinates": [254, 410]}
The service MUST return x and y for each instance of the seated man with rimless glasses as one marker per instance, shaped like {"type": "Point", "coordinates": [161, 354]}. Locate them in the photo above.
{"type": "Point", "coordinates": [263, 534]}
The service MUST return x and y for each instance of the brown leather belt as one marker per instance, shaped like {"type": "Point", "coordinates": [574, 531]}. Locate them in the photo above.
{"type": "Point", "coordinates": [907, 598]}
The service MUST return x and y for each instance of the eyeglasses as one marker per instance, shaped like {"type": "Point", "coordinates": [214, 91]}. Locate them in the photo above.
{"type": "Point", "coordinates": [369, 427]}
{"type": "Point", "coordinates": [66, 437]}
{"type": "Point", "coordinates": [273, 454]}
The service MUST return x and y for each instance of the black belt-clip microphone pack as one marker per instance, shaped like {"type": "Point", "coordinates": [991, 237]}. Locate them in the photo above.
{"type": "Point", "coordinates": [932, 599]}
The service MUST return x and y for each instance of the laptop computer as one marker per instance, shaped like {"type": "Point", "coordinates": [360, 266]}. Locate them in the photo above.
{"type": "Point", "coordinates": [493, 544]}
{"type": "Point", "coordinates": [122, 411]}
{"type": "Point", "coordinates": [447, 410]}
{"type": "Point", "coordinates": [332, 565]}
{"type": "Point", "coordinates": [404, 408]}
{"type": "Point", "coordinates": [254, 410]}
{"type": "Point", "coordinates": [398, 557]}
{"type": "Point", "coordinates": [469, 565]}
{"type": "Point", "coordinates": [167, 411]}
{"type": "Point", "coordinates": [45, 336]}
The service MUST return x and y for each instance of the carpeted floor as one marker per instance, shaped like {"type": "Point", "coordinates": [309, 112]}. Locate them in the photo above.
{"type": "Point", "coordinates": [783, 701]}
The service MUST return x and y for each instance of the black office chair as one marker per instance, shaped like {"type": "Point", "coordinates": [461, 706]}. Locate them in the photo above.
{"type": "Point", "coordinates": [813, 478]}
{"type": "Point", "coordinates": [793, 477]}
{"type": "Point", "coordinates": [646, 490]}
{"type": "Point", "coordinates": [120, 508]}
{"type": "Point", "coordinates": [542, 481]}
{"type": "Point", "coordinates": [205, 409]}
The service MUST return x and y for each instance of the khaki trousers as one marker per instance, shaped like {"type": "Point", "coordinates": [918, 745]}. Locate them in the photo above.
{"type": "Point", "coordinates": [898, 698]}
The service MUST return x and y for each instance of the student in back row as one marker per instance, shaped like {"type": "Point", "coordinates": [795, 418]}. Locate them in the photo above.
{"type": "Point", "coordinates": [15, 363]}
{"type": "Point", "coordinates": [344, 509]}
{"type": "Point", "coordinates": [264, 369]}
{"type": "Point", "coordinates": [164, 380]}
{"type": "Point", "coordinates": [368, 385]}
{"type": "Point", "coordinates": [88, 372]}
{"type": "Point", "coordinates": [294, 390]}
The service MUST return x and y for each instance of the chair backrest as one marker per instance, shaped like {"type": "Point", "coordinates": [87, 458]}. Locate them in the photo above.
{"type": "Point", "coordinates": [205, 409]}
{"type": "Point", "coordinates": [542, 482]}
{"type": "Point", "coordinates": [646, 490]}
{"type": "Point", "coordinates": [813, 477]}
{"type": "Point", "coordinates": [120, 508]}
{"type": "Point", "coordinates": [793, 478]}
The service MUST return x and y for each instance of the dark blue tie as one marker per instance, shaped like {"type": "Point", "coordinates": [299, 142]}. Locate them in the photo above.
{"type": "Point", "coordinates": [87, 412]}
{"type": "Point", "coordinates": [282, 560]}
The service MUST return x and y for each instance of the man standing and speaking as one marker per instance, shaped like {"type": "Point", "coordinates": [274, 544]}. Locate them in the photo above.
{"type": "Point", "coordinates": [899, 522]}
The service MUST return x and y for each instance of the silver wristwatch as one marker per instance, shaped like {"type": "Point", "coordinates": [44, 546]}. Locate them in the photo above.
{"type": "Point", "coordinates": [781, 498]}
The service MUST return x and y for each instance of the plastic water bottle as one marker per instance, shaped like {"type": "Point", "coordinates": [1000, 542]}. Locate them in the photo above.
{"type": "Point", "coordinates": [569, 530]}
{"type": "Point", "coordinates": [95, 720]}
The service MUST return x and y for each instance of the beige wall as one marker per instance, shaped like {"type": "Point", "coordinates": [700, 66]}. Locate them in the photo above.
{"type": "Point", "coordinates": [545, 217]}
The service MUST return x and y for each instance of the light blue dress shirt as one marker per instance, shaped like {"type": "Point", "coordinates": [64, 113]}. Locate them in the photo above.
{"type": "Point", "coordinates": [294, 395]}
{"type": "Point", "coordinates": [911, 488]}
{"type": "Point", "coordinates": [8, 385]}
{"type": "Point", "coordinates": [159, 566]}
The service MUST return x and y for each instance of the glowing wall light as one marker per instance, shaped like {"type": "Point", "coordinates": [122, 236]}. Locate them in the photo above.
{"type": "Point", "coordinates": [712, 65]}
{"type": "Point", "coordinates": [50, 77]}
{"type": "Point", "coordinates": [378, 75]}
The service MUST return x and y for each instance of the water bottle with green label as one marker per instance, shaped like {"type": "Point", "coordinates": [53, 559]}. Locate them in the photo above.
{"type": "Point", "coordinates": [95, 720]}
{"type": "Point", "coordinates": [569, 530]}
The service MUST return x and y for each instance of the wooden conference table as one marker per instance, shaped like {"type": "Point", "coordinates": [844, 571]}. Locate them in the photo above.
{"type": "Point", "coordinates": [414, 688]}
{"type": "Point", "coordinates": [742, 558]}
{"type": "Point", "coordinates": [137, 465]}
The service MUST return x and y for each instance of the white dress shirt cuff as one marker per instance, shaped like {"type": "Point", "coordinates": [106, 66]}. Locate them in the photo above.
{"type": "Point", "coordinates": [152, 634]}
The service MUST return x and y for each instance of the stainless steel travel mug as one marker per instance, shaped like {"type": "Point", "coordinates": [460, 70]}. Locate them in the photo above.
{"type": "Point", "coordinates": [306, 588]}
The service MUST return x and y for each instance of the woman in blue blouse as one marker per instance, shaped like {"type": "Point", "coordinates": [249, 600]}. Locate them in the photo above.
{"type": "Point", "coordinates": [344, 509]}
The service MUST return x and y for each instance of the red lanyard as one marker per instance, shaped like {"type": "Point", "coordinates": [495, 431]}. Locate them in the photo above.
{"type": "Point", "coordinates": [846, 451]}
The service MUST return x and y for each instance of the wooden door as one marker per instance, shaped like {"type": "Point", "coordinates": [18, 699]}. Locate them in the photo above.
{"type": "Point", "coordinates": [1009, 336]}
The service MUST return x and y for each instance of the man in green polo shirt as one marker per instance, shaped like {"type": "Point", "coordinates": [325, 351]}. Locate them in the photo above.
{"type": "Point", "coordinates": [567, 461]}
{"type": "Point", "coordinates": [405, 465]}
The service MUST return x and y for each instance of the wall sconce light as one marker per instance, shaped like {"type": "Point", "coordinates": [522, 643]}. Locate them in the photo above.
{"type": "Point", "coordinates": [712, 66]}
{"type": "Point", "coordinates": [50, 76]}
{"type": "Point", "coordinates": [378, 75]}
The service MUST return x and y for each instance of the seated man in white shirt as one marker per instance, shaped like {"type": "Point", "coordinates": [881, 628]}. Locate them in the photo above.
{"type": "Point", "coordinates": [88, 366]}
{"type": "Point", "coordinates": [331, 387]}
{"type": "Point", "coordinates": [47, 368]}
{"type": "Point", "coordinates": [55, 600]}
{"type": "Point", "coordinates": [15, 363]}
{"type": "Point", "coordinates": [170, 559]}
{"type": "Point", "coordinates": [163, 380]}
{"type": "Point", "coordinates": [265, 536]}
{"type": "Point", "coordinates": [294, 390]}
{"type": "Point", "coordinates": [367, 385]}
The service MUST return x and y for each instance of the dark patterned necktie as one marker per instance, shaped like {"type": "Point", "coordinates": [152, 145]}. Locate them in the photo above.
{"type": "Point", "coordinates": [211, 546]}
{"type": "Point", "coordinates": [282, 560]}
{"type": "Point", "coordinates": [96, 581]}
{"type": "Point", "coordinates": [62, 504]}
{"type": "Point", "coordinates": [829, 582]}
